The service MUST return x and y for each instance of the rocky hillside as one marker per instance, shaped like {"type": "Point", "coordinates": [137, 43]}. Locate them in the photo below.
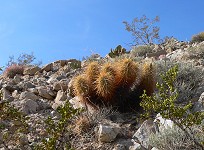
{"type": "Point", "coordinates": [39, 92]}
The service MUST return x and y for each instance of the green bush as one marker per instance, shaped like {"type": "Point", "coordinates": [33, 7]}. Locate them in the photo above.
{"type": "Point", "coordinates": [13, 70]}
{"type": "Point", "coordinates": [163, 102]}
{"type": "Point", "coordinates": [198, 37]}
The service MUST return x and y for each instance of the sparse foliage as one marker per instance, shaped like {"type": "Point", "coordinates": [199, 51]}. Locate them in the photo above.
{"type": "Point", "coordinates": [163, 102]}
{"type": "Point", "coordinates": [143, 30]}
{"type": "Point", "coordinates": [141, 51]}
{"type": "Point", "coordinates": [24, 59]}
{"type": "Point", "coordinates": [174, 138]}
{"type": "Point", "coordinates": [58, 130]}
{"type": "Point", "coordinates": [13, 70]}
{"type": "Point", "coordinates": [17, 124]}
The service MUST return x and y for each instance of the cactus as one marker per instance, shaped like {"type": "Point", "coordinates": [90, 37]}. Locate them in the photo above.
{"type": "Point", "coordinates": [119, 84]}
{"type": "Point", "coordinates": [109, 68]}
{"type": "Point", "coordinates": [148, 82]}
{"type": "Point", "coordinates": [119, 50]}
{"type": "Point", "coordinates": [81, 86]}
{"type": "Point", "coordinates": [105, 85]}
{"type": "Point", "coordinates": [128, 72]}
{"type": "Point", "coordinates": [92, 71]}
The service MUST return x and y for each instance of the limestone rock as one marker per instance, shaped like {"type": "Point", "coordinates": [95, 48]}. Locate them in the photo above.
{"type": "Point", "coordinates": [29, 106]}
{"type": "Point", "coordinates": [28, 95]}
{"type": "Point", "coordinates": [6, 95]}
{"type": "Point", "coordinates": [61, 85]}
{"type": "Point", "coordinates": [199, 105]}
{"type": "Point", "coordinates": [107, 133]}
{"type": "Point", "coordinates": [143, 133]}
{"type": "Point", "coordinates": [44, 92]}
{"type": "Point", "coordinates": [31, 70]}
{"type": "Point", "coordinates": [161, 124]}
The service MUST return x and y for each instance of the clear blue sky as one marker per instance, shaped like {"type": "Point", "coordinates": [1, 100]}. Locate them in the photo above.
{"type": "Point", "coordinates": [63, 29]}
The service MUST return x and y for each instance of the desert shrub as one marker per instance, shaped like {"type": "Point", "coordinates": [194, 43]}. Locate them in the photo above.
{"type": "Point", "coordinates": [13, 70]}
{"type": "Point", "coordinates": [58, 131]}
{"type": "Point", "coordinates": [17, 121]}
{"type": "Point", "coordinates": [198, 37]}
{"type": "Point", "coordinates": [143, 30]}
{"type": "Point", "coordinates": [163, 102]}
{"type": "Point", "coordinates": [174, 138]}
{"type": "Point", "coordinates": [118, 84]}
{"type": "Point", "coordinates": [141, 51]}
{"type": "Point", "coordinates": [187, 81]}
{"type": "Point", "coordinates": [196, 52]}
{"type": "Point", "coordinates": [24, 59]}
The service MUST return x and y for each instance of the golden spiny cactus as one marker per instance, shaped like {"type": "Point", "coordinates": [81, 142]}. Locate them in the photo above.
{"type": "Point", "coordinates": [148, 82]}
{"type": "Point", "coordinates": [128, 72]}
{"type": "Point", "coordinates": [105, 85]}
{"type": "Point", "coordinates": [109, 68]}
{"type": "Point", "coordinates": [81, 86]}
{"type": "Point", "coordinates": [92, 71]}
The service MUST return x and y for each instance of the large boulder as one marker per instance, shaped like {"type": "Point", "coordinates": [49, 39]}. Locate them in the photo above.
{"type": "Point", "coordinates": [31, 70]}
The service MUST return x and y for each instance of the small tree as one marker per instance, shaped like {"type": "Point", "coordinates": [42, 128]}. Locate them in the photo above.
{"type": "Point", "coordinates": [143, 30]}
{"type": "Point", "coordinates": [164, 103]}
{"type": "Point", "coordinates": [23, 59]}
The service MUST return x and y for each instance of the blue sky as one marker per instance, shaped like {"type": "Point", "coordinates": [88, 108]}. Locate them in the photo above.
{"type": "Point", "coordinates": [63, 29]}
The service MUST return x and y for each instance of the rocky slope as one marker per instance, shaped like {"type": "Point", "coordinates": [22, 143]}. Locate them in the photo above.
{"type": "Point", "coordinates": [40, 91]}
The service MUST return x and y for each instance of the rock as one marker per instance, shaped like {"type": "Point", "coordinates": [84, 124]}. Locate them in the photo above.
{"type": "Point", "coordinates": [23, 140]}
{"type": "Point", "coordinates": [70, 88]}
{"type": "Point", "coordinates": [199, 105]}
{"type": "Point", "coordinates": [47, 68]}
{"type": "Point", "coordinates": [61, 96]}
{"type": "Point", "coordinates": [28, 95]}
{"type": "Point", "coordinates": [61, 85]}
{"type": "Point", "coordinates": [154, 148]}
{"type": "Point", "coordinates": [29, 106]}
{"type": "Point", "coordinates": [124, 144]}
{"type": "Point", "coordinates": [143, 133]}
{"type": "Point", "coordinates": [136, 146]}
{"type": "Point", "coordinates": [17, 79]}
{"type": "Point", "coordinates": [15, 94]}
{"type": "Point", "coordinates": [6, 95]}
{"type": "Point", "coordinates": [161, 124]}
{"type": "Point", "coordinates": [107, 133]}
{"type": "Point", "coordinates": [59, 100]}
{"type": "Point", "coordinates": [28, 85]}
{"type": "Point", "coordinates": [31, 70]}
{"type": "Point", "coordinates": [1, 137]}
{"type": "Point", "coordinates": [44, 92]}
{"type": "Point", "coordinates": [63, 62]}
